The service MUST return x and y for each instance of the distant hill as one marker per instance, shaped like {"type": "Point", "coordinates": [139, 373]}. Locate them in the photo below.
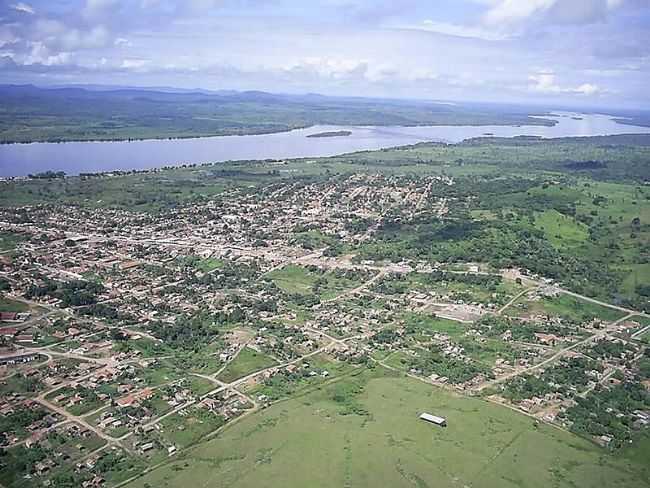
{"type": "Point", "coordinates": [74, 113]}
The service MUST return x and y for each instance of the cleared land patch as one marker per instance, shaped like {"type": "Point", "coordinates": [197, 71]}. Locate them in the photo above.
{"type": "Point", "coordinates": [560, 229]}
{"type": "Point", "coordinates": [247, 361]}
{"type": "Point", "coordinates": [563, 306]}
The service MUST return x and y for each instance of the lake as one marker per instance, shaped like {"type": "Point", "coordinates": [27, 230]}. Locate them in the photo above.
{"type": "Point", "coordinates": [90, 157]}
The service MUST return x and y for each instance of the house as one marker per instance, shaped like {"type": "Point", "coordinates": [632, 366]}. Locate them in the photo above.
{"type": "Point", "coordinates": [8, 316]}
{"type": "Point", "coordinates": [146, 447]}
{"type": "Point", "coordinates": [427, 417]}
{"type": "Point", "coordinates": [8, 332]}
{"type": "Point", "coordinates": [135, 398]}
{"type": "Point", "coordinates": [25, 338]}
{"type": "Point", "coordinates": [18, 358]}
{"type": "Point", "coordinates": [548, 339]}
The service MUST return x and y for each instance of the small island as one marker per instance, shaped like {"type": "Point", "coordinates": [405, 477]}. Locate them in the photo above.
{"type": "Point", "coordinates": [338, 133]}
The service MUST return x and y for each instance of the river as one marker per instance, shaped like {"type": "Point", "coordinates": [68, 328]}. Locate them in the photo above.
{"type": "Point", "coordinates": [91, 157]}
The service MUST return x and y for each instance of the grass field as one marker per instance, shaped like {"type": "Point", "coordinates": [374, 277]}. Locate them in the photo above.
{"type": "Point", "coordinates": [365, 431]}
{"type": "Point", "coordinates": [301, 281]}
{"type": "Point", "coordinates": [427, 325]}
{"type": "Point", "coordinates": [564, 306]}
{"type": "Point", "coordinates": [8, 305]}
{"type": "Point", "coordinates": [246, 362]}
{"type": "Point", "coordinates": [294, 279]}
{"type": "Point", "coordinates": [210, 264]}
{"type": "Point", "coordinates": [20, 384]}
{"type": "Point", "coordinates": [561, 230]}
{"type": "Point", "coordinates": [182, 431]}
{"type": "Point", "coordinates": [9, 240]}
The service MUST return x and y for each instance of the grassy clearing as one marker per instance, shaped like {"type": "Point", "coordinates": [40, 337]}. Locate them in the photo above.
{"type": "Point", "coordinates": [10, 240]}
{"type": "Point", "coordinates": [20, 384]}
{"type": "Point", "coordinates": [398, 360]}
{"type": "Point", "coordinates": [210, 264]}
{"type": "Point", "coordinates": [566, 307]}
{"type": "Point", "coordinates": [423, 325]}
{"type": "Point", "coordinates": [365, 431]}
{"type": "Point", "coordinates": [184, 430]}
{"type": "Point", "coordinates": [287, 384]}
{"type": "Point", "coordinates": [8, 305]}
{"type": "Point", "coordinates": [294, 279]}
{"type": "Point", "coordinates": [159, 374]}
{"type": "Point", "coordinates": [301, 281]}
{"type": "Point", "coordinates": [247, 361]}
{"type": "Point", "coordinates": [561, 230]}
{"type": "Point", "coordinates": [200, 386]}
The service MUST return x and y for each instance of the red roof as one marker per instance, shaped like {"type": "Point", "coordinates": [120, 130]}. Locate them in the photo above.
{"type": "Point", "coordinates": [8, 331]}
{"type": "Point", "coordinates": [8, 315]}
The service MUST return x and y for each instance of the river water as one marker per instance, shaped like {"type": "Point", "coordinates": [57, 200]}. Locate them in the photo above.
{"type": "Point", "coordinates": [90, 157]}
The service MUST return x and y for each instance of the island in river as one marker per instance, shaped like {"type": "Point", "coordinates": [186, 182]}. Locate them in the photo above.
{"type": "Point", "coordinates": [336, 133]}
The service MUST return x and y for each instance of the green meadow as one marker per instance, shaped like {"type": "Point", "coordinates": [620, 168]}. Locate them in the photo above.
{"type": "Point", "coordinates": [364, 430]}
{"type": "Point", "coordinates": [247, 361]}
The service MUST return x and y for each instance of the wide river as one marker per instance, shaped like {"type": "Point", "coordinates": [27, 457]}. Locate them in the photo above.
{"type": "Point", "coordinates": [91, 157]}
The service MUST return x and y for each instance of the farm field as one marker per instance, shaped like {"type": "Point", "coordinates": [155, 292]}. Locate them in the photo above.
{"type": "Point", "coordinates": [365, 431]}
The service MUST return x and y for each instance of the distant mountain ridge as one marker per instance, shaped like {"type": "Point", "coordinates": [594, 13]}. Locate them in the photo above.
{"type": "Point", "coordinates": [77, 113]}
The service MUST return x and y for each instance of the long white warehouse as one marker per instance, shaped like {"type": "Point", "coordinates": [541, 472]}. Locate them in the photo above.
{"type": "Point", "coordinates": [434, 419]}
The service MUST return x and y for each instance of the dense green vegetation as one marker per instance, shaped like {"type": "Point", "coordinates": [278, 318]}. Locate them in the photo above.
{"type": "Point", "coordinates": [71, 293]}
{"type": "Point", "coordinates": [21, 384]}
{"type": "Point", "coordinates": [599, 412]}
{"type": "Point", "coordinates": [16, 421]}
{"type": "Point", "coordinates": [72, 114]}
{"type": "Point", "coordinates": [9, 240]}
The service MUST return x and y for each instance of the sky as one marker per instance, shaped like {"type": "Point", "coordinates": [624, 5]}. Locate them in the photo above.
{"type": "Point", "coordinates": [574, 52]}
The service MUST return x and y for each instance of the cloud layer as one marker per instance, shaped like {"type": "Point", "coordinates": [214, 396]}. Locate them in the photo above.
{"type": "Point", "coordinates": [594, 52]}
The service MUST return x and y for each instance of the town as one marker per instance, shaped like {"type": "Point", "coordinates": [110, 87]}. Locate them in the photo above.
{"type": "Point", "coordinates": [129, 337]}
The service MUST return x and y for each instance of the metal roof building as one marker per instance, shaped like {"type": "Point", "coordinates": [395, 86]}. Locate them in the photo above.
{"type": "Point", "coordinates": [434, 419]}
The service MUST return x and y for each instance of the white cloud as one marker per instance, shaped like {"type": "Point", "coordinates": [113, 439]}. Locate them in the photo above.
{"type": "Point", "coordinates": [95, 9]}
{"type": "Point", "coordinates": [330, 67]}
{"type": "Point", "coordinates": [614, 3]}
{"type": "Point", "coordinates": [121, 41]}
{"type": "Point", "coordinates": [23, 8]}
{"type": "Point", "coordinates": [57, 35]}
{"type": "Point", "coordinates": [505, 14]}
{"type": "Point", "coordinates": [41, 54]}
{"type": "Point", "coordinates": [134, 64]}
{"type": "Point", "coordinates": [588, 89]}
{"type": "Point", "coordinates": [457, 30]}
{"type": "Point", "coordinates": [546, 82]}
{"type": "Point", "coordinates": [513, 11]}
